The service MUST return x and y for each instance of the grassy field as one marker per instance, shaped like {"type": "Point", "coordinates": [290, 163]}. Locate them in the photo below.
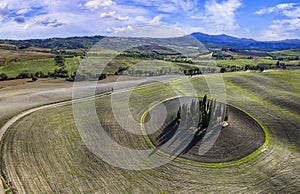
{"type": "Point", "coordinates": [286, 53]}
{"type": "Point", "coordinates": [31, 60]}
{"type": "Point", "coordinates": [46, 65]}
{"type": "Point", "coordinates": [44, 153]}
{"type": "Point", "coordinates": [29, 66]}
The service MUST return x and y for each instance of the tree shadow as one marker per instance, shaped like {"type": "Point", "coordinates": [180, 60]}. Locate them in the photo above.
{"type": "Point", "coordinates": [168, 133]}
{"type": "Point", "coordinates": [196, 138]}
{"type": "Point", "coordinates": [181, 138]}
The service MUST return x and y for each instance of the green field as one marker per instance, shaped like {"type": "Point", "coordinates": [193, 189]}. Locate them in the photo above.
{"type": "Point", "coordinates": [286, 53]}
{"type": "Point", "coordinates": [32, 66]}
{"type": "Point", "coordinates": [163, 60]}
{"type": "Point", "coordinates": [47, 147]}
{"type": "Point", "coordinates": [29, 66]}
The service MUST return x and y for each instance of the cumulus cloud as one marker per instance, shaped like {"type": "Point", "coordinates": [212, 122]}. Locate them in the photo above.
{"type": "Point", "coordinates": [156, 20]}
{"type": "Point", "coordinates": [278, 8]}
{"type": "Point", "coordinates": [120, 18]}
{"type": "Point", "coordinates": [295, 13]}
{"type": "Point", "coordinates": [119, 29]}
{"type": "Point", "coordinates": [282, 28]}
{"type": "Point", "coordinates": [287, 24]}
{"type": "Point", "coordinates": [291, 10]}
{"type": "Point", "coordinates": [107, 14]}
{"type": "Point", "coordinates": [96, 4]}
{"type": "Point", "coordinates": [151, 31]}
{"type": "Point", "coordinates": [221, 16]}
{"type": "Point", "coordinates": [3, 10]}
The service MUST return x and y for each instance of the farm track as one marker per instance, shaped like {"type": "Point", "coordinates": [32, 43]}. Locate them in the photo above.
{"type": "Point", "coordinates": [47, 155]}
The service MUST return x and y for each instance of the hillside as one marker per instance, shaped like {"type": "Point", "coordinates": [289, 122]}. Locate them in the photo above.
{"type": "Point", "coordinates": [210, 41]}
{"type": "Point", "coordinates": [246, 43]}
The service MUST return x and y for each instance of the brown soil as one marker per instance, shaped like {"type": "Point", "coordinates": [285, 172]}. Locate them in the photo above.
{"type": "Point", "coordinates": [240, 138]}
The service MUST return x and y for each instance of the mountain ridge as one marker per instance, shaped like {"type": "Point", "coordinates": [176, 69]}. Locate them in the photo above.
{"type": "Point", "coordinates": [246, 42]}
{"type": "Point", "coordinates": [211, 41]}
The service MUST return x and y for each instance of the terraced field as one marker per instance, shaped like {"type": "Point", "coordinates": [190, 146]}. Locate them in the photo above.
{"type": "Point", "coordinates": [44, 152]}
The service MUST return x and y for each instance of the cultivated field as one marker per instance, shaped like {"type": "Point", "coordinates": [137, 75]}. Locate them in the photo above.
{"type": "Point", "coordinates": [44, 153]}
{"type": "Point", "coordinates": [242, 137]}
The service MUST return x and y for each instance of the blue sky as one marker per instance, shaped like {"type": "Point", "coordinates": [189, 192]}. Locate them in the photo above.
{"type": "Point", "coordinates": [261, 20]}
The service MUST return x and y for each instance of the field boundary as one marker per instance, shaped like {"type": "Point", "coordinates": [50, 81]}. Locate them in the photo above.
{"type": "Point", "coordinates": [243, 160]}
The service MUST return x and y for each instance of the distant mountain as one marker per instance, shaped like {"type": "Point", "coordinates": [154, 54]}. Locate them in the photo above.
{"type": "Point", "coordinates": [246, 43]}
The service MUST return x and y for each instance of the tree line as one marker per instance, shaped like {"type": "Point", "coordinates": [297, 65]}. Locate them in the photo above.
{"type": "Point", "coordinates": [198, 114]}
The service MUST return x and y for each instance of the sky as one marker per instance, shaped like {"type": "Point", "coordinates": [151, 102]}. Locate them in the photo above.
{"type": "Point", "coordinates": [260, 19]}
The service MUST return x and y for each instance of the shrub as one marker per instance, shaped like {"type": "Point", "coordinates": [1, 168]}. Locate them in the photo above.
{"type": "Point", "coordinates": [3, 77]}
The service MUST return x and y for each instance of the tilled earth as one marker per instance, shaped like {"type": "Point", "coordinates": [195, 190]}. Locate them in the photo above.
{"type": "Point", "coordinates": [240, 138]}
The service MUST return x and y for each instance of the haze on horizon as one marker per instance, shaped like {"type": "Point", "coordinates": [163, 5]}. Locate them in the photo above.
{"type": "Point", "coordinates": [260, 20]}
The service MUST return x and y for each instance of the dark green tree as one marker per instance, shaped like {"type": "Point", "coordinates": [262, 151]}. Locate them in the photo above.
{"type": "Point", "coordinates": [223, 70]}
{"type": "Point", "coordinates": [3, 77]}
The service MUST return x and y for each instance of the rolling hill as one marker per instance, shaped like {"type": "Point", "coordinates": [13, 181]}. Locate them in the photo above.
{"type": "Point", "coordinates": [210, 41]}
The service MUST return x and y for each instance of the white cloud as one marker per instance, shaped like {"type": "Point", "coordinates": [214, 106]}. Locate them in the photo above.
{"type": "Point", "coordinates": [156, 20]}
{"type": "Point", "coordinates": [151, 31]}
{"type": "Point", "coordinates": [221, 17]}
{"type": "Point", "coordinates": [24, 11]}
{"type": "Point", "coordinates": [3, 10]}
{"type": "Point", "coordinates": [292, 13]}
{"type": "Point", "coordinates": [140, 19]}
{"type": "Point", "coordinates": [96, 4]}
{"type": "Point", "coordinates": [286, 25]}
{"type": "Point", "coordinates": [186, 5]}
{"type": "Point", "coordinates": [168, 8]}
{"type": "Point", "coordinates": [120, 18]}
{"type": "Point", "coordinates": [282, 28]}
{"type": "Point", "coordinates": [119, 29]}
{"type": "Point", "coordinates": [285, 6]}
{"type": "Point", "coordinates": [286, 9]}
{"type": "Point", "coordinates": [108, 14]}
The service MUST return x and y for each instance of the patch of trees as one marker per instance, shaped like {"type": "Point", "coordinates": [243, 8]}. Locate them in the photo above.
{"type": "Point", "coordinates": [141, 54]}
{"type": "Point", "coordinates": [286, 58]}
{"type": "Point", "coordinates": [86, 76]}
{"type": "Point", "coordinates": [59, 60]}
{"type": "Point", "coordinates": [24, 75]}
{"type": "Point", "coordinates": [180, 59]}
{"type": "Point", "coordinates": [191, 72]}
{"type": "Point", "coordinates": [149, 73]}
{"type": "Point", "coordinates": [219, 55]}
{"type": "Point", "coordinates": [3, 77]}
{"type": "Point", "coordinates": [222, 70]}
{"type": "Point", "coordinates": [199, 114]}
{"type": "Point", "coordinates": [60, 73]}
{"type": "Point", "coordinates": [280, 65]}
{"type": "Point", "coordinates": [121, 70]}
